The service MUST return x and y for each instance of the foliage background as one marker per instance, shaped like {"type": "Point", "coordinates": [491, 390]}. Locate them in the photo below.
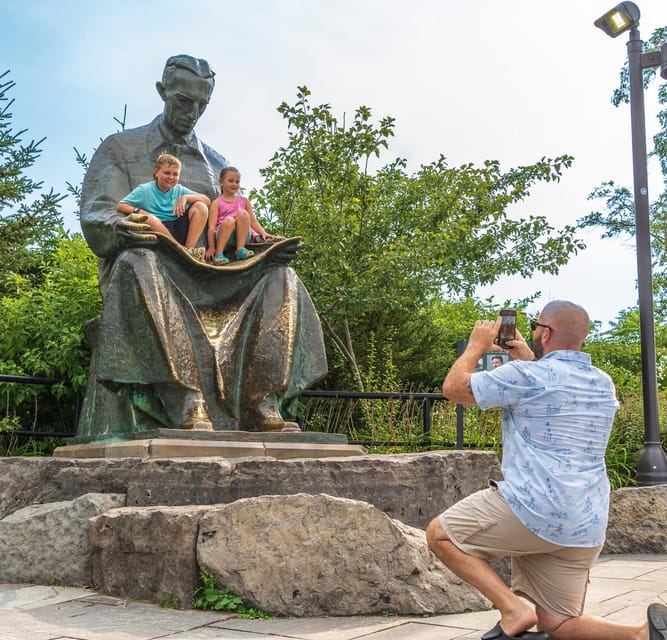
{"type": "Point", "coordinates": [391, 261]}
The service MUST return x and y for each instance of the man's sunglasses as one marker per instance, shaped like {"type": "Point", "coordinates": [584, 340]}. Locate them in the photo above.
{"type": "Point", "coordinates": [534, 324]}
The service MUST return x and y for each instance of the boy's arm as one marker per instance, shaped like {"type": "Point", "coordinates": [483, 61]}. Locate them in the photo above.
{"type": "Point", "coordinates": [126, 208]}
{"type": "Point", "coordinates": [198, 197]}
{"type": "Point", "coordinates": [189, 198]}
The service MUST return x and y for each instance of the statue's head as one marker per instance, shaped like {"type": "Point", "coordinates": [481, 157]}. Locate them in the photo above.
{"type": "Point", "coordinates": [186, 87]}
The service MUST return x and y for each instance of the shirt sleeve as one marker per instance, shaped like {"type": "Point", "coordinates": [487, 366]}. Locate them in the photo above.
{"type": "Point", "coordinates": [184, 191]}
{"type": "Point", "coordinates": [135, 197]}
{"type": "Point", "coordinates": [504, 387]}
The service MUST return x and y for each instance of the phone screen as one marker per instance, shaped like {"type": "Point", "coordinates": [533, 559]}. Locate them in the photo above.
{"type": "Point", "coordinates": [507, 329]}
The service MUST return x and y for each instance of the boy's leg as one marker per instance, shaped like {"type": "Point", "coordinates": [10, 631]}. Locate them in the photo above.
{"type": "Point", "coordinates": [156, 224]}
{"type": "Point", "coordinates": [197, 215]}
{"type": "Point", "coordinates": [178, 228]}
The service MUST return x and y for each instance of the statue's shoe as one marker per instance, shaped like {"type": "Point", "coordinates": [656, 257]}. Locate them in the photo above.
{"type": "Point", "coordinates": [195, 413]}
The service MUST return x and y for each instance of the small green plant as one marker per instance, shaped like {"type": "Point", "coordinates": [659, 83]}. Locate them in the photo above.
{"type": "Point", "coordinates": [168, 601]}
{"type": "Point", "coordinates": [210, 596]}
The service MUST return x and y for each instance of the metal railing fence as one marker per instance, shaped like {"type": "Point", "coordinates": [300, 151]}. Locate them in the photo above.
{"type": "Point", "coordinates": [426, 399]}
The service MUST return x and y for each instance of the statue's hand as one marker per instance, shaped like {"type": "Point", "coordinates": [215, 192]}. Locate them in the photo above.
{"type": "Point", "coordinates": [132, 228]}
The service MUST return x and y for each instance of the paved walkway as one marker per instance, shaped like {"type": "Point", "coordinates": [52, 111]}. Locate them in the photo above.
{"type": "Point", "coordinates": [621, 588]}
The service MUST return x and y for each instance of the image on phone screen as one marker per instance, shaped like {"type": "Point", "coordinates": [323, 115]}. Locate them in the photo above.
{"type": "Point", "coordinates": [507, 329]}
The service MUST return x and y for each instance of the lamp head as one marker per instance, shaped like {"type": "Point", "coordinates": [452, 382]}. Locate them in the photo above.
{"type": "Point", "coordinates": [621, 18]}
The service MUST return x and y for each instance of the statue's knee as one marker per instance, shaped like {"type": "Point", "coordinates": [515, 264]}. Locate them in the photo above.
{"type": "Point", "coordinates": [134, 262]}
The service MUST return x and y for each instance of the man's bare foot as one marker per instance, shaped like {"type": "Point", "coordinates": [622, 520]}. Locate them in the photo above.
{"type": "Point", "coordinates": [518, 620]}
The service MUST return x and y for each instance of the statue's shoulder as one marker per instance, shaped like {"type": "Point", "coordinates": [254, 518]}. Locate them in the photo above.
{"type": "Point", "coordinates": [217, 160]}
{"type": "Point", "coordinates": [134, 136]}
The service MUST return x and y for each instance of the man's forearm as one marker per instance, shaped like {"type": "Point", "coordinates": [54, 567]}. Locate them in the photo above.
{"type": "Point", "coordinates": [456, 386]}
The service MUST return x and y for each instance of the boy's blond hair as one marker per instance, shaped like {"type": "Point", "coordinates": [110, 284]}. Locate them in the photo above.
{"type": "Point", "coordinates": [168, 159]}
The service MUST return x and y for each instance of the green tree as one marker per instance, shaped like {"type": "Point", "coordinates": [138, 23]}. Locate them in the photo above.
{"type": "Point", "coordinates": [382, 247]}
{"type": "Point", "coordinates": [30, 222]}
{"type": "Point", "coordinates": [48, 290]}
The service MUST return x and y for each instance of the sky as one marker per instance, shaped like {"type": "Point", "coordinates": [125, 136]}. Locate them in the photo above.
{"type": "Point", "coordinates": [510, 80]}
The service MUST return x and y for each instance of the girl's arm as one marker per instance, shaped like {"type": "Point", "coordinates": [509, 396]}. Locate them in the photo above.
{"type": "Point", "coordinates": [254, 223]}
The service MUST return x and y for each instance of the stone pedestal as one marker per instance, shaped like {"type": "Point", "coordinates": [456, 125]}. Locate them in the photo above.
{"type": "Point", "coordinates": [177, 443]}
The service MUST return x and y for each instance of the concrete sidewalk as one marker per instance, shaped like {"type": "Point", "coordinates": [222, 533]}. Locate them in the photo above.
{"type": "Point", "coordinates": [621, 588]}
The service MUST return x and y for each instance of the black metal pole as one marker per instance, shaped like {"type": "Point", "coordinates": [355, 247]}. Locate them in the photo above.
{"type": "Point", "coordinates": [652, 463]}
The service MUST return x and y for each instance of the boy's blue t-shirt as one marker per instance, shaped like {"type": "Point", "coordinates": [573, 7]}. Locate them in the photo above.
{"type": "Point", "coordinates": [161, 204]}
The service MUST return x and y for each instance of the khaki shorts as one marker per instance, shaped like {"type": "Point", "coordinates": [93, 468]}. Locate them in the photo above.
{"type": "Point", "coordinates": [551, 576]}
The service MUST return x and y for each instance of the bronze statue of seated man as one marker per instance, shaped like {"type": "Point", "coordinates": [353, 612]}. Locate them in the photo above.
{"type": "Point", "coordinates": [181, 343]}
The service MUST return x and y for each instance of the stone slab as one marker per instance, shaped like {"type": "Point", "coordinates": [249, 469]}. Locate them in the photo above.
{"type": "Point", "coordinates": [196, 448]}
{"type": "Point", "coordinates": [411, 487]}
{"type": "Point", "coordinates": [218, 436]}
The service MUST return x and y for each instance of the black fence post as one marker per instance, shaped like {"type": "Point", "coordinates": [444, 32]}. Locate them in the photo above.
{"type": "Point", "coordinates": [427, 422]}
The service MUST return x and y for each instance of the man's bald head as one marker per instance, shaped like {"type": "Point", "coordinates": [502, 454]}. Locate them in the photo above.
{"type": "Point", "coordinates": [569, 324]}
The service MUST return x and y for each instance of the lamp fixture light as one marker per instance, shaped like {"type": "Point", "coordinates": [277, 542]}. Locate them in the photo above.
{"type": "Point", "coordinates": [621, 18]}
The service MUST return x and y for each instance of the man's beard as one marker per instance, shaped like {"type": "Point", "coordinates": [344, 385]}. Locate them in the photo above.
{"type": "Point", "coordinates": [537, 347]}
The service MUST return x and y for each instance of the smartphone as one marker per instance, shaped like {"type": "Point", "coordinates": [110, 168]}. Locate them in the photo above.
{"type": "Point", "coordinates": [507, 329]}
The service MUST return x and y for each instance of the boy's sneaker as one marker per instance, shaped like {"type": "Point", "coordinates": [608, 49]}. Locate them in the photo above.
{"type": "Point", "coordinates": [198, 253]}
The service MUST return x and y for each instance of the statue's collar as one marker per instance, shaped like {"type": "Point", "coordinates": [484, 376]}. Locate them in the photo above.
{"type": "Point", "coordinates": [170, 137]}
{"type": "Point", "coordinates": [164, 141]}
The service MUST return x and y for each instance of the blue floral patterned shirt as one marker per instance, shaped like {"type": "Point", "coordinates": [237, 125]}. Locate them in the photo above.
{"type": "Point", "coordinates": [557, 416]}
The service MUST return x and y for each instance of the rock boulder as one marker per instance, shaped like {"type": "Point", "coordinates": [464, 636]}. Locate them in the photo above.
{"type": "Point", "coordinates": [637, 517]}
{"type": "Point", "coordinates": [306, 555]}
{"type": "Point", "coordinates": [48, 543]}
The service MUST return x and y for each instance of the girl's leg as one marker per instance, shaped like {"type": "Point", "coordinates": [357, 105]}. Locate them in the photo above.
{"type": "Point", "coordinates": [242, 228]}
{"type": "Point", "coordinates": [224, 234]}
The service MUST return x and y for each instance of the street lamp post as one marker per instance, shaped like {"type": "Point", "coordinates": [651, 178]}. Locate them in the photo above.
{"type": "Point", "coordinates": [652, 463]}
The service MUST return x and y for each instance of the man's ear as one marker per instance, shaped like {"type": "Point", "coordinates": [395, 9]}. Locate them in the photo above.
{"type": "Point", "coordinates": [160, 89]}
{"type": "Point", "coordinates": [548, 340]}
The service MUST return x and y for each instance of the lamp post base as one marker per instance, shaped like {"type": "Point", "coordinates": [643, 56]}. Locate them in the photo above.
{"type": "Point", "coordinates": [652, 465]}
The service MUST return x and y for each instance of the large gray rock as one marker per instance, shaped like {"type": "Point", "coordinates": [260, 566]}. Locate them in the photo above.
{"type": "Point", "coordinates": [48, 543]}
{"type": "Point", "coordinates": [306, 555]}
{"type": "Point", "coordinates": [637, 517]}
{"type": "Point", "coordinates": [146, 552]}
{"type": "Point", "coordinates": [412, 488]}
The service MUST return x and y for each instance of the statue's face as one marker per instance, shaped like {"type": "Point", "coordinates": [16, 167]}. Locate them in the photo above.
{"type": "Point", "coordinates": [185, 98]}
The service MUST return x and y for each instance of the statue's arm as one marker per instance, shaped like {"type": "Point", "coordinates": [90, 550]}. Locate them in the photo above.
{"type": "Point", "coordinates": [106, 183]}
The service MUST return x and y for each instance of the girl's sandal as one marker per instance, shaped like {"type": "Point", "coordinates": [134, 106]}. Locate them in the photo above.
{"type": "Point", "coordinates": [243, 254]}
{"type": "Point", "coordinates": [220, 259]}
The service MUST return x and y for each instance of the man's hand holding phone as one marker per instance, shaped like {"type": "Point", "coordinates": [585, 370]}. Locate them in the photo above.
{"type": "Point", "coordinates": [510, 339]}
{"type": "Point", "coordinates": [507, 330]}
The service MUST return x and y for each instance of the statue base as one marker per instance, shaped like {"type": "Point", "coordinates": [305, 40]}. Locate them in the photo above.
{"type": "Point", "coordinates": [177, 443]}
